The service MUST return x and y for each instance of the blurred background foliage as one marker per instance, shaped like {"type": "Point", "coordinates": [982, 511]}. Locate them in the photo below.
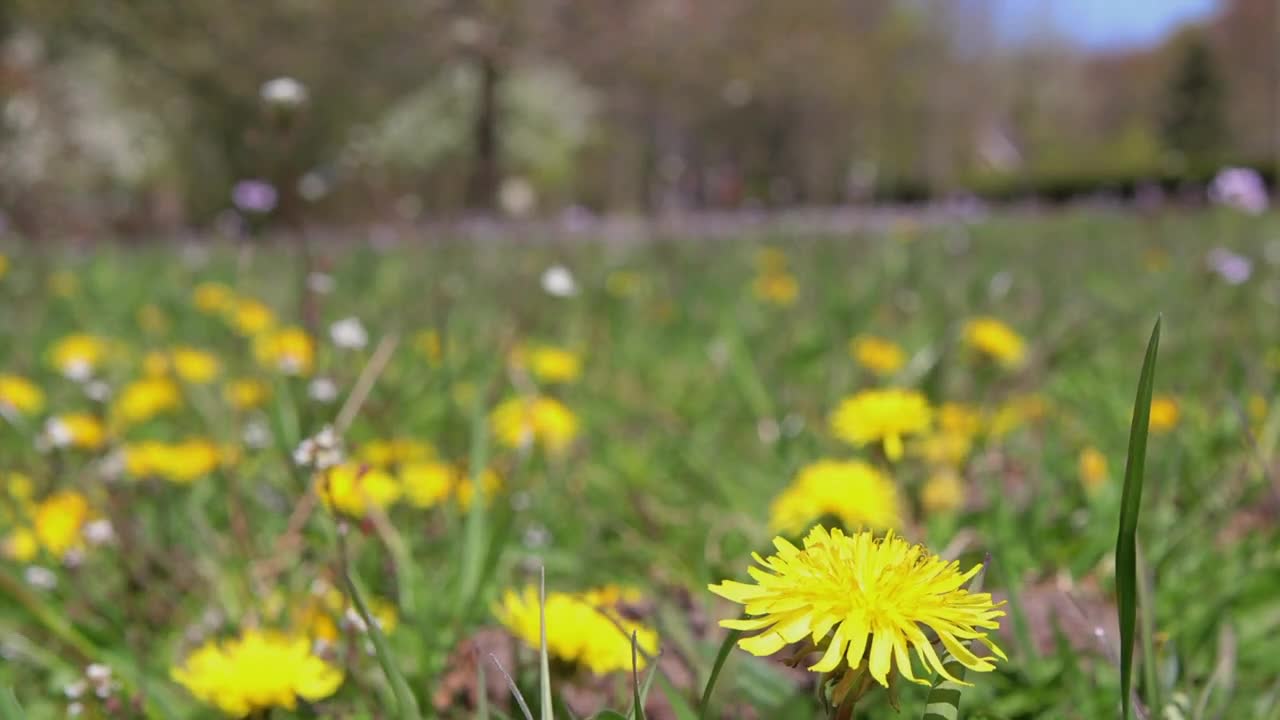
{"type": "Point", "coordinates": [142, 114]}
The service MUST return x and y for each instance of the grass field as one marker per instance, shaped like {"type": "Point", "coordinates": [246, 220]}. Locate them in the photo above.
{"type": "Point", "coordinates": [630, 432]}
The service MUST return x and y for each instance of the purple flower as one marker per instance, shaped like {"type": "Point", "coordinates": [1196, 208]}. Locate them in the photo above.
{"type": "Point", "coordinates": [1231, 267]}
{"type": "Point", "coordinates": [254, 196]}
{"type": "Point", "coordinates": [1240, 188]}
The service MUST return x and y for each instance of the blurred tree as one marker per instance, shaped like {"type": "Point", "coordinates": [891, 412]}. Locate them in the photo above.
{"type": "Point", "coordinates": [1193, 123]}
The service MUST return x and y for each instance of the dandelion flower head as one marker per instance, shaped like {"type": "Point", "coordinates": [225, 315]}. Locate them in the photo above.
{"type": "Point", "coordinates": [863, 599]}
{"type": "Point", "coordinates": [582, 628]}
{"type": "Point", "coordinates": [996, 340]}
{"type": "Point", "coordinates": [852, 491]}
{"type": "Point", "coordinates": [257, 671]}
{"type": "Point", "coordinates": [882, 416]}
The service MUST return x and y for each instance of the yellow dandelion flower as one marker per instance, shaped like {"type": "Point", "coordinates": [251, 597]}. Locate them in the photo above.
{"type": "Point", "coordinates": [246, 393]}
{"type": "Point", "coordinates": [395, 451]}
{"type": "Point", "coordinates": [78, 355]}
{"type": "Point", "coordinates": [550, 364]}
{"type": "Point", "coordinates": [20, 394]}
{"type": "Point", "coordinates": [20, 545]}
{"type": "Point", "coordinates": [155, 364]}
{"type": "Point", "coordinates": [144, 399]}
{"type": "Point", "coordinates": [1016, 412]}
{"type": "Point", "coordinates": [19, 486]}
{"type": "Point", "coordinates": [198, 367]}
{"type": "Point", "coordinates": [518, 422]}
{"type": "Point", "coordinates": [213, 298]}
{"type": "Point", "coordinates": [943, 449]}
{"type": "Point", "coordinates": [427, 484]}
{"type": "Point", "coordinates": [589, 634]}
{"type": "Point", "coordinates": [58, 520]}
{"type": "Point", "coordinates": [959, 418]}
{"type": "Point", "coordinates": [490, 483]}
{"type": "Point", "coordinates": [867, 600]}
{"type": "Point", "coordinates": [1165, 413]}
{"type": "Point", "coordinates": [777, 287]}
{"type": "Point", "coordinates": [353, 488]}
{"type": "Point", "coordinates": [882, 357]}
{"type": "Point", "coordinates": [996, 340]}
{"type": "Point", "coordinates": [257, 671]}
{"type": "Point", "coordinates": [250, 317]}
{"type": "Point", "coordinates": [852, 491]}
{"type": "Point", "coordinates": [1093, 469]}
{"type": "Point", "coordinates": [427, 342]}
{"type": "Point", "coordinates": [943, 492]}
{"type": "Point", "coordinates": [882, 416]}
{"type": "Point", "coordinates": [289, 350]}
{"type": "Point", "coordinates": [182, 462]}
{"type": "Point", "coordinates": [78, 430]}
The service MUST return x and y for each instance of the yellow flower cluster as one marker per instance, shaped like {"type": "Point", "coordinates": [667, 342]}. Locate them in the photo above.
{"type": "Point", "coordinates": [549, 364]}
{"type": "Point", "coordinates": [353, 488]}
{"type": "Point", "coordinates": [582, 628]}
{"type": "Point", "coordinates": [880, 356]}
{"type": "Point", "coordinates": [56, 524]}
{"type": "Point", "coordinates": [522, 421]}
{"type": "Point", "coordinates": [257, 671]}
{"type": "Point", "coordinates": [996, 340]}
{"type": "Point", "coordinates": [144, 399]}
{"type": "Point", "coordinates": [180, 462]}
{"type": "Point", "coordinates": [20, 394]}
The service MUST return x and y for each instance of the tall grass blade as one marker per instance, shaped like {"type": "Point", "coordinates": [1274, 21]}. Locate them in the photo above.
{"type": "Point", "coordinates": [406, 703]}
{"type": "Point", "coordinates": [9, 707]}
{"type": "Point", "coordinates": [943, 702]}
{"type": "Point", "coordinates": [475, 531]}
{"type": "Point", "coordinates": [637, 699]}
{"type": "Point", "coordinates": [1127, 537]}
{"type": "Point", "coordinates": [704, 708]}
{"type": "Point", "coordinates": [511, 685]}
{"type": "Point", "coordinates": [544, 664]}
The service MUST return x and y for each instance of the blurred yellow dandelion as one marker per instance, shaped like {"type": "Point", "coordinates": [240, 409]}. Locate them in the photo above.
{"type": "Point", "coordinates": [144, 399]}
{"type": "Point", "coordinates": [427, 484]}
{"type": "Point", "coordinates": [1093, 469]}
{"type": "Point", "coordinates": [213, 298]}
{"type": "Point", "coordinates": [996, 340]}
{"type": "Point", "coordinates": [250, 317]}
{"type": "Point", "coordinates": [20, 394]}
{"type": "Point", "coordinates": [867, 600]}
{"type": "Point", "coordinates": [257, 671]}
{"type": "Point", "coordinates": [943, 492]}
{"type": "Point", "coordinates": [852, 491]}
{"type": "Point", "coordinates": [78, 430]}
{"type": "Point", "coordinates": [246, 393]}
{"type": "Point", "coordinates": [882, 416]}
{"type": "Point", "coordinates": [580, 629]}
{"type": "Point", "coordinates": [777, 287]}
{"type": "Point", "coordinates": [520, 421]}
{"type": "Point", "coordinates": [395, 451]}
{"type": "Point", "coordinates": [550, 364]}
{"type": "Point", "coordinates": [1165, 413]}
{"type": "Point", "coordinates": [289, 350]}
{"type": "Point", "coordinates": [352, 488]}
{"type": "Point", "coordinates": [878, 355]}
{"type": "Point", "coordinates": [77, 356]}
{"type": "Point", "coordinates": [198, 367]}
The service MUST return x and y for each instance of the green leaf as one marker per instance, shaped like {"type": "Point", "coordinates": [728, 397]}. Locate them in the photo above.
{"type": "Point", "coordinates": [511, 685]}
{"type": "Point", "coordinates": [704, 708]}
{"type": "Point", "coordinates": [637, 697]}
{"type": "Point", "coordinates": [1127, 538]}
{"type": "Point", "coordinates": [406, 703]}
{"type": "Point", "coordinates": [943, 702]}
{"type": "Point", "coordinates": [475, 533]}
{"type": "Point", "coordinates": [9, 707]}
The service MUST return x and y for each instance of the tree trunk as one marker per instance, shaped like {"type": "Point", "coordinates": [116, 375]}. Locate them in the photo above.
{"type": "Point", "coordinates": [482, 187]}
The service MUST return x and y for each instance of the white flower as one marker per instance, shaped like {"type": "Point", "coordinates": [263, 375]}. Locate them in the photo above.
{"type": "Point", "coordinates": [98, 673]}
{"type": "Point", "coordinates": [516, 197]}
{"type": "Point", "coordinates": [56, 433]}
{"type": "Point", "coordinates": [349, 333]}
{"type": "Point", "coordinates": [559, 282]}
{"type": "Point", "coordinates": [320, 283]}
{"type": "Point", "coordinates": [322, 390]}
{"type": "Point", "coordinates": [1240, 188]}
{"type": "Point", "coordinates": [322, 451]}
{"type": "Point", "coordinates": [256, 434]}
{"type": "Point", "coordinates": [99, 532]}
{"type": "Point", "coordinates": [97, 391]}
{"type": "Point", "coordinates": [75, 689]}
{"type": "Point", "coordinates": [41, 578]}
{"type": "Point", "coordinates": [78, 370]}
{"type": "Point", "coordinates": [284, 92]}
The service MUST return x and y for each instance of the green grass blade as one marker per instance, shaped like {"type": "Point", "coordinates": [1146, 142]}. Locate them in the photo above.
{"type": "Point", "coordinates": [482, 697]}
{"type": "Point", "coordinates": [9, 707]}
{"type": "Point", "coordinates": [1127, 538]}
{"type": "Point", "coordinates": [637, 700]}
{"type": "Point", "coordinates": [475, 533]}
{"type": "Point", "coordinates": [943, 702]}
{"type": "Point", "coordinates": [704, 708]}
{"type": "Point", "coordinates": [679, 705]}
{"type": "Point", "coordinates": [1146, 634]}
{"type": "Point", "coordinates": [406, 703]}
{"type": "Point", "coordinates": [511, 685]}
{"type": "Point", "coordinates": [544, 664]}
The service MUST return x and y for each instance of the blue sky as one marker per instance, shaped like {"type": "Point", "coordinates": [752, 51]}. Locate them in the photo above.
{"type": "Point", "coordinates": [1103, 23]}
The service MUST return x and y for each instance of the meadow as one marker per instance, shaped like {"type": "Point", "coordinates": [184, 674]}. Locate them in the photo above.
{"type": "Point", "coordinates": [211, 451]}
